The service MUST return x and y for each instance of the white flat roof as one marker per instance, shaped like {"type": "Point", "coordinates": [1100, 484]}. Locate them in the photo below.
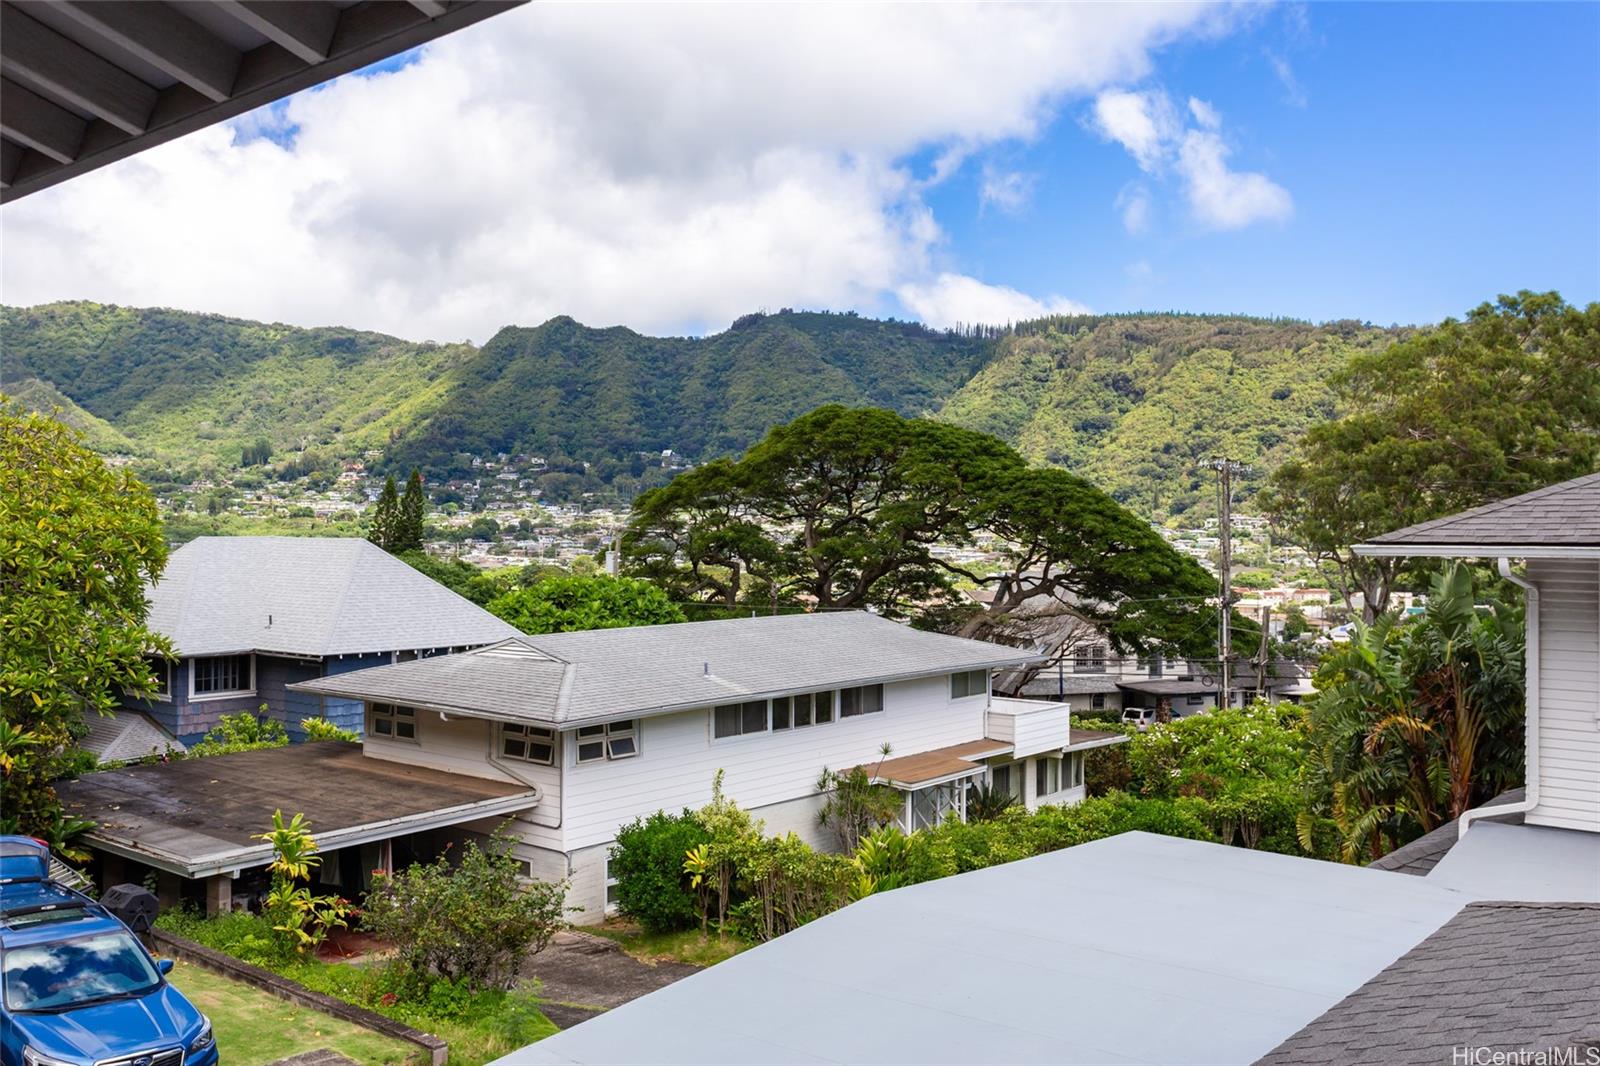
{"type": "Point", "coordinates": [1135, 948]}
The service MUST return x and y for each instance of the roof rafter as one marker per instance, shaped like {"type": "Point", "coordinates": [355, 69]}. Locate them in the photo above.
{"type": "Point", "coordinates": [47, 62]}
{"type": "Point", "coordinates": [304, 27]}
{"type": "Point", "coordinates": [165, 39]}
{"type": "Point", "coordinates": [32, 121]}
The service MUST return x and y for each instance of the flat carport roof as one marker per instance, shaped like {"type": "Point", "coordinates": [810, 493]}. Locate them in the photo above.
{"type": "Point", "coordinates": [198, 817]}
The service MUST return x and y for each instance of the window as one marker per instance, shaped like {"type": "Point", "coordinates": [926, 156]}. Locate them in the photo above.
{"type": "Point", "coordinates": [614, 740]}
{"type": "Point", "coordinates": [971, 683]}
{"type": "Point", "coordinates": [1194, 701]}
{"type": "Point", "coordinates": [390, 720]}
{"type": "Point", "coordinates": [780, 713]}
{"type": "Point", "coordinates": [822, 707]}
{"type": "Point", "coordinates": [613, 891]}
{"type": "Point", "coordinates": [1046, 776]}
{"type": "Point", "coordinates": [867, 699]}
{"type": "Point", "coordinates": [1098, 701]}
{"type": "Point", "coordinates": [1007, 780]}
{"type": "Point", "coordinates": [739, 719]}
{"type": "Point", "coordinates": [530, 743]}
{"type": "Point", "coordinates": [1075, 770]}
{"type": "Point", "coordinates": [222, 675]}
{"type": "Point", "coordinates": [161, 672]}
{"type": "Point", "coordinates": [1090, 659]}
{"type": "Point", "coordinates": [1155, 666]}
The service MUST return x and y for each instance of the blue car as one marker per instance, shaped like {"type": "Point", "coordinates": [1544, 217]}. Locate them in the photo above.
{"type": "Point", "coordinates": [76, 986]}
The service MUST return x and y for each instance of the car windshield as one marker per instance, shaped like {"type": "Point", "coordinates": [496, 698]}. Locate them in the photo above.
{"type": "Point", "coordinates": [66, 973]}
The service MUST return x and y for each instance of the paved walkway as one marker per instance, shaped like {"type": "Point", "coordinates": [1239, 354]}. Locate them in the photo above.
{"type": "Point", "coordinates": [581, 975]}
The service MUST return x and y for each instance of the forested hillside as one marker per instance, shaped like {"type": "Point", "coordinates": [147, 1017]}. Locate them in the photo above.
{"type": "Point", "coordinates": [193, 388]}
{"type": "Point", "coordinates": [1134, 402]}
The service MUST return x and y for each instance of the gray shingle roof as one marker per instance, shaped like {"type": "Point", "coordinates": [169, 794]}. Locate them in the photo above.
{"type": "Point", "coordinates": [1421, 855]}
{"type": "Point", "coordinates": [618, 673]}
{"type": "Point", "coordinates": [311, 596]}
{"type": "Point", "coordinates": [1564, 514]}
{"type": "Point", "coordinates": [1500, 975]}
{"type": "Point", "coordinates": [123, 735]}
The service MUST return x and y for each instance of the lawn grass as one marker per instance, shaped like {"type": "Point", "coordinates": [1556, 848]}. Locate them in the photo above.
{"type": "Point", "coordinates": [253, 1027]}
{"type": "Point", "coordinates": [690, 946]}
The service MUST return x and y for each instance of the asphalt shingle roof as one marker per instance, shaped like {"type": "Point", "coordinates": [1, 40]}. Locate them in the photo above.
{"type": "Point", "coordinates": [308, 596]}
{"type": "Point", "coordinates": [124, 735]}
{"type": "Point", "coordinates": [1421, 855]}
{"type": "Point", "coordinates": [1565, 514]}
{"type": "Point", "coordinates": [1500, 975]}
{"type": "Point", "coordinates": [617, 673]}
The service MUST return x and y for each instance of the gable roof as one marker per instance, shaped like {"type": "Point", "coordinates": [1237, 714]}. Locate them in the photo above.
{"type": "Point", "coordinates": [308, 596]}
{"type": "Point", "coordinates": [123, 735]}
{"type": "Point", "coordinates": [1498, 975]}
{"type": "Point", "coordinates": [1561, 516]}
{"type": "Point", "coordinates": [599, 674]}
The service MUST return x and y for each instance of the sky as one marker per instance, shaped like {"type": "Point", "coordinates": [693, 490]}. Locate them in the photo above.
{"type": "Point", "coordinates": [669, 167]}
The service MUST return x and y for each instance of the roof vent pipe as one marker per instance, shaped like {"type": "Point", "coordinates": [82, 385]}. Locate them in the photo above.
{"type": "Point", "coordinates": [707, 670]}
{"type": "Point", "coordinates": [1530, 798]}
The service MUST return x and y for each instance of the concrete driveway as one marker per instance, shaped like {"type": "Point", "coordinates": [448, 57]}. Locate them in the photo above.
{"type": "Point", "coordinates": [581, 975]}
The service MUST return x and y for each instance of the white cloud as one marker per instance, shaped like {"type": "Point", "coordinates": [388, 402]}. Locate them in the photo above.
{"type": "Point", "coordinates": [1008, 190]}
{"type": "Point", "coordinates": [1204, 114]}
{"type": "Point", "coordinates": [1142, 122]}
{"type": "Point", "coordinates": [1148, 125]}
{"type": "Point", "coordinates": [665, 166]}
{"type": "Point", "coordinates": [1224, 198]}
{"type": "Point", "coordinates": [1294, 94]}
{"type": "Point", "coordinates": [1134, 203]}
{"type": "Point", "coordinates": [956, 299]}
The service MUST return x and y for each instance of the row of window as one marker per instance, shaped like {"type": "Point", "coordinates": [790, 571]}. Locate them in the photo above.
{"type": "Point", "coordinates": [210, 676]}
{"type": "Point", "coordinates": [793, 712]}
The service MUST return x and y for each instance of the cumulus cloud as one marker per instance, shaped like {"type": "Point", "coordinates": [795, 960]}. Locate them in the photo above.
{"type": "Point", "coordinates": [1148, 125]}
{"type": "Point", "coordinates": [956, 299]}
{"type": "Point", "coordinates": [664, 166]}
{"type": "Point", "coordinates": [1142, 122]}
{"type": "Point", "coordinates": [1224, 198]}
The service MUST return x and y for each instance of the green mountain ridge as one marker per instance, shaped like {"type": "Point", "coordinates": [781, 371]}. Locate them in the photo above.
{"type": "Point", "coordinates": [1132, 401]}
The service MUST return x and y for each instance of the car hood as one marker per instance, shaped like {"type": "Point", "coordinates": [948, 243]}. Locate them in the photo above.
{"type": "Point", "coordinates": [161, 1019]}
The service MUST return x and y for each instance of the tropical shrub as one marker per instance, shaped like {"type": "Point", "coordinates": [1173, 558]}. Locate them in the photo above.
{"type": "Point", "coordinates": [786, 884]}
{"type": "Point", "coordinates": [1416, 720]}
{"type": "Point", "coordinates": [652, 887]}
{"type": "Point", "coordinates": [301, 920]}
{"type": "Point", "coordinates": [241, 732]}
{"type": "Point", "coordinates": [473, 924]}
{"type": "Point", "coordinates": [855, 807]}
{"type": "Point", "coordinates": [322, 729]}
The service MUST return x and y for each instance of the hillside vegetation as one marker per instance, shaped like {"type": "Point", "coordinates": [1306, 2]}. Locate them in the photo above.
{"type": "Point", "coordinates": [1135, 403]}
{"type": "Point", "coordinates": [1132, 402]}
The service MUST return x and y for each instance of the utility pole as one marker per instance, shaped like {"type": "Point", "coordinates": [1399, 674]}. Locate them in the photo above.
{"type": "Point", "coordinates": [1225, 469]}
{"type": "Point", "coordinates": [1262, 655]}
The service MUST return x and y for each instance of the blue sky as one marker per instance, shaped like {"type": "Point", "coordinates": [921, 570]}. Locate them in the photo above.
{"type": "Point", "coordinates": [1437, 155]}
{"type": "Point", "coordinates": [670, 167]}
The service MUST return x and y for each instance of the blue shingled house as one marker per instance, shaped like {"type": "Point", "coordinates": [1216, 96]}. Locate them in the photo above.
{"type": "Point", "coordinates": [250, 615]}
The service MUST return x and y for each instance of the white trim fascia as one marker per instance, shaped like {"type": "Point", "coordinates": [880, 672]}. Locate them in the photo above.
{"type": "Point", "coordinates": [1479, 551]}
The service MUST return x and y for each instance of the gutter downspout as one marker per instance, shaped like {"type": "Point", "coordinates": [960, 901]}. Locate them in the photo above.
{"type": "Point", "coordinates": [1530, 797]}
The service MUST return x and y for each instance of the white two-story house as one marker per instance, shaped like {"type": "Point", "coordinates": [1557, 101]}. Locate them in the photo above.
{"type": "Point", "coordinates": [610, 725]}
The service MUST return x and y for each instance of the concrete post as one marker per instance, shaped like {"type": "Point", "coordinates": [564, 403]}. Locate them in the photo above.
{"type": "Point", "coordinates": [219, 894]}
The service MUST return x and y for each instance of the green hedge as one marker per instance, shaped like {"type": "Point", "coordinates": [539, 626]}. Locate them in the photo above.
{"type": "Point", "coordinates": [647, 862]}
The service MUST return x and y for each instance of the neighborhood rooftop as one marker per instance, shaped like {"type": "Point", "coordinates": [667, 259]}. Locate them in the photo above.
{"type": "Point", "coordinates": [308, 596]}
{"type": "Point", "coordinates": [1560, 516]}
{"type": "Point", "coordinates": [203, 816]}
{"type": "Point", "coordinates": [598, 674]}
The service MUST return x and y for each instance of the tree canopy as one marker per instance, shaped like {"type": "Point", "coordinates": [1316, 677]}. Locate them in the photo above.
{"type": "Point", "coordinates": [78, 542]}
{"type": "Point", "coordinates": [562, 603]}
{"type": "Point", "coordinates": [852, 508]}
{"type": "Point", "coordinates": [1504, 402]}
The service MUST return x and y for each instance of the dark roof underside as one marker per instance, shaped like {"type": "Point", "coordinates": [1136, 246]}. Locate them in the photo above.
{"type": "Point", "coordinates": [1505, 976]}
{"type": "Point", "coordinates": [1564, 514]}
{"type": "Point", "coordinates": [86, 84]}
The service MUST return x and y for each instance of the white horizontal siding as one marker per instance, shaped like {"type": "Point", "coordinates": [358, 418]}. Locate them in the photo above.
{"type": "Point", "coordinates": [463, 746]}
{"type": "Point", "coordinates": [1031, 730]}
{"type": "Point", "coordinates": [1569, 693]}
{"type": "Point", "coordinates": [677, 758]}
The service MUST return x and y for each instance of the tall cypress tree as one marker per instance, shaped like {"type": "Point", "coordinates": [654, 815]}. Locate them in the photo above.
{"type": "Point", "coordinates": [386, 519]}
{"type": "Point", "coordinates": [413, 505]}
